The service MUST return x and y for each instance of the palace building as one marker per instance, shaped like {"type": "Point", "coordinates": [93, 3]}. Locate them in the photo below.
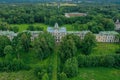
{"type": "Point", "coordinates": [60, 32]}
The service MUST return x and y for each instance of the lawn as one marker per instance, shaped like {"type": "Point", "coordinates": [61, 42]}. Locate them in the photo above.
{"type": "Point", "coordinates": [23, 27]}
{"type": "Point", "coordinates": [69, 27]}
{"type": "Point", "coordinates": [105, 48]}
{"type": "Point", "coordinates": [21, 75]}
{"type": "Point", "coordinates": [97, 74]}
{"type": "Point", "coordinates": [84, 74]}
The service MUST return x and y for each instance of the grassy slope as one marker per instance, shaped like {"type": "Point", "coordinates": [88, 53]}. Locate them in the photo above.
{"type": "Point", "coordinates": [98, 74]}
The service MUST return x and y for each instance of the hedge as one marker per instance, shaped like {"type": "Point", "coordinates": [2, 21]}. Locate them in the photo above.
{"type": "Point", "coordinates": [99, 61]}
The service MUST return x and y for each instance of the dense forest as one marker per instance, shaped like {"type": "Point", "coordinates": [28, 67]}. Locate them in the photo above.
{"type": "Point", "coordinates": [99, 18]}
{"type": "Point", "coordinates": [87, 1]}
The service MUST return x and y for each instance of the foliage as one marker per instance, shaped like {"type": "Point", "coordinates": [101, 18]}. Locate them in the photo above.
{"type": "Point", "coordinates": [35, 28]}
{"type": "Point", "coordinates": [88, 43]}
{"type": "Point", "coordinates": [71, 67]}
{"type": "Point", "coordinates": [8, 49]}
{"type": "Point", "coordinates": [62, 76]}
{"type": "Point", "coordinates": [68, 46]}
{"type": "Point", "coordinates": [97, 73]}
{"type": "Point", "coordinates": [98, 61]}
{"type": "Point", "coordinates": [4, 41]}
{"type": "Point", "coordinates": [13, 65]}
{"type": "Point", "coordinates": [44, 45]}
{"type": "Point", "coordinates": [98, 17]}
{"type": "Point", "coordinates": [45, 77]}
{"type": "Point", "coordinates": [22, 42]}
{"type": "Point", "coordinates": [5, 26]}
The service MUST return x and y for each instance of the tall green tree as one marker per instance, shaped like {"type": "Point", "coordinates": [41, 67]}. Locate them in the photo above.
{"type": "Point", "coordinates": [8, 50]}
{"type": "Point", "coordinates": [44, 45]}
{"type": "Point", "coordinates": [68, 47]}
{"type": "Point", "coordinates": [88, 43]}
{"type": "Point", "coordinates": [23, 40]}
{"type": "Point", "coordinates": [71, 67]}
{"type": "Point", "coordinates": [4, 41]}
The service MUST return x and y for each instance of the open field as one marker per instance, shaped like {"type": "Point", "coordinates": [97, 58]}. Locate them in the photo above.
{"type": "Point", "coordinates": [98, 74]}
{"type": "Point", "coordinates": [105, 48]}
{"type": "Point", "coordinates": [23, 27]}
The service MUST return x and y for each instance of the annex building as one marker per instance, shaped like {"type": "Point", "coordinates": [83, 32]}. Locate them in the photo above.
{"type": "Point", "coordinates": [60, 32]}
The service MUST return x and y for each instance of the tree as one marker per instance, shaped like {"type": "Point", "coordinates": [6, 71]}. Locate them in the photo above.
{"type": "Point", "coordinates": [4, 41]}
{"type": "Point", "coordinates": [62, 76]}
{"type": "Point", "coordinates": [44, 45]}
{"type": "Point", "coordinates": [45, 77]}
{"type": "Point", "coordinates": [71, 67]}
{"type": "Point", "coordinates": [15, 29]}
{"type": "Point", "coordinates": [23, 40]}
{"type": "Point", "coordinates": [8, 50]}
{"type": "Point", "coordinates": [117, 37]}
{"type": "Point", "coordinates": [88, 43]}
{"type": "Point", "coordinates": [67, 48]}
{"type": "Point", "coordinates": [31, 28]}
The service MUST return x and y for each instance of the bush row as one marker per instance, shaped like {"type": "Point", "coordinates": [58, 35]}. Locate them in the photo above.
{"type": "Point", "coordinates": [43, 72]}
{"type": "Point", "coordinates": [14, 65]}
{"type": "Point", "coordinates": [99, 61]}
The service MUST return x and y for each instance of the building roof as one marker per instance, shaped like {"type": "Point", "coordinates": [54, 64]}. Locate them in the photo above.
{"type": "Point", "coordinates": [75, 14]}
{"type": "Point", "coordinates": [108, 33]}
{"type": "Point", "coordinates": [8, 33]}
{"type": "Point", "coordinates": [56, 27]}
{"type": "Point", "coordinates": [82, 32]}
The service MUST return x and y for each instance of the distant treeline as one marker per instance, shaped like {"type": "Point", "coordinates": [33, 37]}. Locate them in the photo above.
{"type": "Point", "coordinates": [73, 1]}
{"type": "Point", "coordinates": [99, 18]}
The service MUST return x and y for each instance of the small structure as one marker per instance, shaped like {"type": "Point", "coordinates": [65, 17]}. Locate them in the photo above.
{"type": "Point", "coordinates": [75, 14]}
{"type": "Point", "coordinates": [34, 34]}
{"type": "Point", "coordinates": [117, 24]}
{"type": "Point", "coordinates": [107, 36]}
{"type": "Point", "coordinates": [57, 32]}
{"type": "Point", "coordinates": [81, 34]}
{"type": "Point", "coordinates": [9, 34]}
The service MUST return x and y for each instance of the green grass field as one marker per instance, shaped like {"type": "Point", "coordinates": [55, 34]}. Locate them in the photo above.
{"type": "Point", "coordinates": [98, 74]}
{"type": "Point", "coordinates": [105, 48]}
{"type": "Point", "coordinates": [21, 75]}
{"type": "Point", "coordinates": [84, 74]}
{"type": "Point", "coordinates": [23, 27]}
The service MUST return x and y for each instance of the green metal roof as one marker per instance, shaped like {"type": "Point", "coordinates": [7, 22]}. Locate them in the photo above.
{"type": "Point", "coordinates": [109, 32]}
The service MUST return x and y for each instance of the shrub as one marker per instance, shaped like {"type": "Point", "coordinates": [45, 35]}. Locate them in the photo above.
{"type": "Point", "coordinates": [99, 61]}
{"type": "Point", "coordinates": [13, 65]}
{"type": "Point", "coordinates": [117, 60]}
{"type": "Point", "coordinates": [108, 61]}
{"type": "Point", "coordinates": [71, 67]}
{"type": "Point", "coordinates": [62, 76]}
{"type": "Point", "coordinates": [45, 77]}
{"type": "Point", "coordinates": [39, 72]}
